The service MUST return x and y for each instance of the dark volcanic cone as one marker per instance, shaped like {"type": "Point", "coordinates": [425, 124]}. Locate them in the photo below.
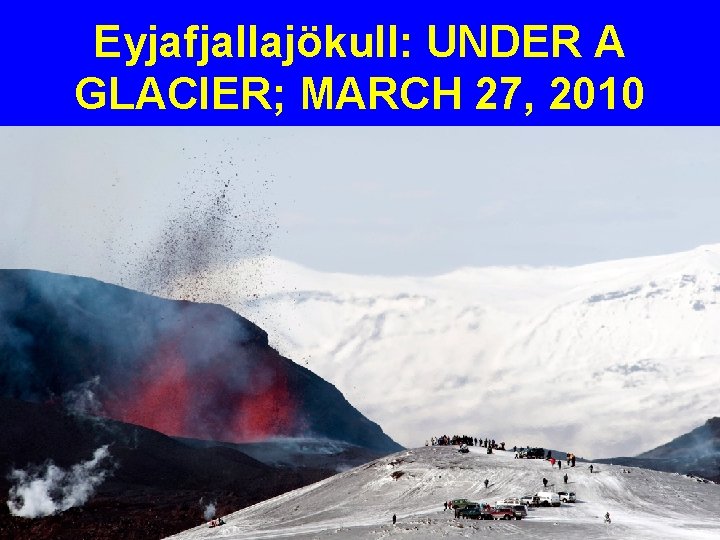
{"type": "Point", "coordinates": [182, 368]}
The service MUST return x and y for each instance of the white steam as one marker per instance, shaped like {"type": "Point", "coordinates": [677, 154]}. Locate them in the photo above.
{"type": "Point", "coordinates": [51, 489]}
{"type": "Point", "coordinates": [209, 512]}
{"type": "Point", "coordinates": [83, 398]}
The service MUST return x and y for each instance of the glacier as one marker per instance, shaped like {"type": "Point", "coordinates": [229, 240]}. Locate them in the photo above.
{"type": "Point", "coordinates": [604, 359]}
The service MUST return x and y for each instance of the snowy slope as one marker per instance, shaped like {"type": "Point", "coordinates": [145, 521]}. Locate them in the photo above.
{"type": "Point", "coordinates": [359, 503]}
{"type": "Point", "coordinates": [622, 352]}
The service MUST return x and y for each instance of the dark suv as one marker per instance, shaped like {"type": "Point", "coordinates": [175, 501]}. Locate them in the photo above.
{"type": "Point", "coordinates": [532, 453]}
{"type": "Point", "coordinates": [476, 511]}
{"type": "Point", "coordinates": [460, 504]}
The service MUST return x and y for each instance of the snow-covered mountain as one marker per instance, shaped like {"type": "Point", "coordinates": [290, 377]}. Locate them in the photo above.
{"type": "Point", "coordinates": [413, 484]}
{"type": "Point", "coordinates": [603, 359]}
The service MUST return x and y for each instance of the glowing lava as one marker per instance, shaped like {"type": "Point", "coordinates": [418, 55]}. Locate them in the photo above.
{"type": "Point", "coordinates": [208, 402]}
{"type": "Point", "coordinates": [269, 412]}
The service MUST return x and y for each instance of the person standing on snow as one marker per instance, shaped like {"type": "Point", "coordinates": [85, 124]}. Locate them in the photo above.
{"type": "Point", "coordinates": [544, 482]}
{"type": "Point", "coordinates": [445, 505]}
{"type": "Point", "coordinates": [394, 519]}
{"type": "Point", "coordinates": [486, 483]}
{"type": "Point", "coordinates": [565, 478]}
{"type": "Point", "coordinates": [591, 468]}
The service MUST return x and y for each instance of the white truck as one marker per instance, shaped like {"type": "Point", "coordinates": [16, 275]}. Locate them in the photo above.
{"type": "Point", "coordinates": [548, 498]}
{"type": "Point", "coordinates": [567, 496]}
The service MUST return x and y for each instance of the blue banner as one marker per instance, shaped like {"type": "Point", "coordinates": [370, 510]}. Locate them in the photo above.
{"type": "Point", "coordinates": [465, 63]}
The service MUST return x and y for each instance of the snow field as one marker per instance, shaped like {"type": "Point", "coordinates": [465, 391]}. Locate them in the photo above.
{"type": "Point", "coordinates": [359, 503]}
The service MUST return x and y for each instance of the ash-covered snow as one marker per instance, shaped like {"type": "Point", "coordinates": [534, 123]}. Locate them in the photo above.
{"type": "Point", "coordinates": [360, 503]}
{"type": "Point", "coordinates": [601, 360]}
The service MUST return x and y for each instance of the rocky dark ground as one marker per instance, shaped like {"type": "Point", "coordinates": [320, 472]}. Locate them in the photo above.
{"type": "Point", "coordinates": [86, 365]}
{"type": "Point", "coordinates": [131, 514]}
{"type": "Point", "coordinates": [157, 485]}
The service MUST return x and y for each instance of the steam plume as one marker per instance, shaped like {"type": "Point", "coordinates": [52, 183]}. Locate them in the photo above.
{"type": "Point", "coordinates": [209, 511]}
{"type": "Point", "coordinates": [51, 489]}
{"type": "Point", "coordinates": [83, 398]}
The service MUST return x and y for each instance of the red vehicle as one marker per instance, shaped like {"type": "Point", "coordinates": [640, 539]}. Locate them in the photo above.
{"type": "Point", "coordinates": [503, 513]}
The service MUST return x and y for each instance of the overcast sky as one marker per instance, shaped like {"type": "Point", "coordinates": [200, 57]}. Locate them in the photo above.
{"type": "Point", "coordinates": [365, 200]}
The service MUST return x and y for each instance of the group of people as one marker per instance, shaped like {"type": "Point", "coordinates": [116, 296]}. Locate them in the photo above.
{"type": "Point", "coordinates": [538, 453]}
{"type": "Point", "coordinates": [457, 440]}
{"type": "Point", "coordinates": [570, 460]}
{"type": "Point", "coordinates": [495, 446]}
{"type": "Point", "coordinates": [216, 522]}
{"type": "Point", "coordinates": [490, 444]}
{"type": "Point", "coordinates": [565, 476]}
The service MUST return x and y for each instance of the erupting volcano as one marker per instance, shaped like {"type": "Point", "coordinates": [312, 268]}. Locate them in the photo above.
{"type": "Point", "coordinates": [171, 395]}
{"type": "Point", "coordinates": [182, 368]}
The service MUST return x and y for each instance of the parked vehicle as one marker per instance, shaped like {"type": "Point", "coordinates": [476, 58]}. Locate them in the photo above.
{"type": "Point", "coordinates": [510, 500]}
{"type": "Point", "coordinates": [548, 498]}
{"type": "Point", "coordinates": [567, 496]}
{"type": "Point", "coordinates": [530, 500]}
{"type": "Point", "coordinates": [503, 513]}
{"type": "Point", "coordinates": [519, 510]}
{"type": "Point", "coordinates": [532, 453]}
{"type": "Point", "coordinates": [475, 511]}
{"type": "Point", "coordinates": [461, 504]}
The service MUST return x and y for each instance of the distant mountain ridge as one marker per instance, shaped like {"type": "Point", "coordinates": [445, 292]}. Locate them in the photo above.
{"type": "Point", "coordinates": [181, 368]}
{"type": "Point", "coordinates": [695, 453]}
{"type": "Point", "coordinates": [703, 441]}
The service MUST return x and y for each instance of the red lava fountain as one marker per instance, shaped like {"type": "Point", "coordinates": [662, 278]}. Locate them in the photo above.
{"type": "Point", "coordinates": [267, 413]}
{"type": "Point", "coordinates": [160, 397]}
{"type": "Point", "coordinates": [173, 397]}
